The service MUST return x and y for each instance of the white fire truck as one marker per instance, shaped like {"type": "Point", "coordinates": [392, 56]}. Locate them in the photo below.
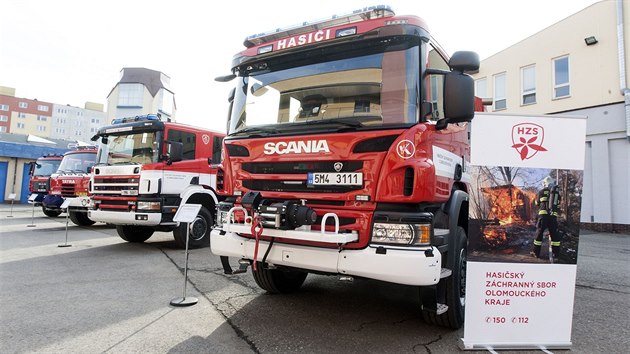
{"type": "Point", "coordinates": [145, 169]}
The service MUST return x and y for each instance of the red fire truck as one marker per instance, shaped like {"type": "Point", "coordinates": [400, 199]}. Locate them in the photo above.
{"type": "Point", "coordinates": [346, 154]}
{"type": "Point", "coordinates": [71, 181]}
{"type": "Point", "coordinates": [39, 182]}
{"type": "Point", "coordinates": [146, 168]}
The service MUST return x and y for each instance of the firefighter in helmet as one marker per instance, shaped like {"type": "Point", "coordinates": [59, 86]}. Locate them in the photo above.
{"type": "Point", "coordinates": [548, 202]}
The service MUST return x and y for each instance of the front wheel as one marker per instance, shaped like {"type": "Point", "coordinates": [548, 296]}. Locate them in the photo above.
{"type": "Point", "coordinates": [199, 231]}
{"type": "Point", "coordinates": [132, 233]}
{"type": "Point", "coordinates": [278, 281]}
{"type": "Point", "coordinates": [454, 293]}
{"type": "Point", "coordinates": [80, 218]}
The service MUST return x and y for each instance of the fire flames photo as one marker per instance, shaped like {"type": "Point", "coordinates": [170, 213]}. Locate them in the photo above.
{"type": "Point", "coordinates": [510, 207]}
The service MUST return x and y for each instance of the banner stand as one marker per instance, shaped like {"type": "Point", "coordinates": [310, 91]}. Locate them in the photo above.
{"type": "Point", "coordinates": [186, 214]}
{"type": "Point", "coordinates": [65, 206]}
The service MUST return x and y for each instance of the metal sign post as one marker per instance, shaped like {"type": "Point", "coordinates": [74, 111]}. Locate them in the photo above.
{"type": "Point", "coordinates": [32, 200]}
{"type": "Point", "coordinates": [65, 206]}
{"type": "Point", "coordinates": [12, 197]}
{"type": "Point", "coordinates": [186, 214]}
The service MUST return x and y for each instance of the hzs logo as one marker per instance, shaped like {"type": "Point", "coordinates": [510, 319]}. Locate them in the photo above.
{"type": "Point", "coordinates": [527, 139]}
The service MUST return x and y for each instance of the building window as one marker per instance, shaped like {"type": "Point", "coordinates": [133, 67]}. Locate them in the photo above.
{"type": "Point", "coordinates": [561, 86]}
{"type": "Point", "coordinates": [481, 88]}
{"type": "Point", "coordinates": [42, 108]}
{"type": "Point", "coordinates": [3, 129]}
{"type": "Point", "coordinates": [21, 115]}
{"type": "Point", "coordinates": [21, 126]}
{"type": "Point", "coordinates": [4, 118]}
{"type": "Point", "coordinates": [500, 101]}
{"type": "Point", "coordinates": [96, 121]}
{"type": "Point", "coordinates": [528, 79]}
{"type": "Point", "coordinates": [167, 103]}
{"type": "Point", "coordinates": [4, 107]}
{"type": "Point", "coordinates": [23, 105]}
{"type": "Point", "coordinates": [130, 95]}
{"type": "Point", "coordinates": [77, 133]}
{"type": "Point", "coordinates": [41, 128]}
{"type": "Point", "coordinates": [42, 118]}
{"type": "Point", "coordinates": [60, 131]}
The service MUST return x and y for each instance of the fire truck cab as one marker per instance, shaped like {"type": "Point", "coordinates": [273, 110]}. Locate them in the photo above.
{"type": "Point", "coordinates": [71, 182]}
{"type": "Point", "coordinates": [146, 168]}
{"type": "Point", "coordinates": [39, 183]}
{"type": "Point", "coordinates": [347, 154]}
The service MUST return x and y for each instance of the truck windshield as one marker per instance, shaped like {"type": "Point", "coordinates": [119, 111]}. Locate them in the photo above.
{"type": "Point", "coordinates": [45, 167]}
{"type": "Point", "coordinates": [351, 92]}
{"type": "Point", "coordinates": [138, 148]}
{"type": "Point", "coordinates": [77, 163]}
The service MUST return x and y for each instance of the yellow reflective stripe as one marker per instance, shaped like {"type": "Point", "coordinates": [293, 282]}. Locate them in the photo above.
{"type": "Point", "coordinates": [555, 243]}
{"type": "Point", "coordinates": [544, 199]}
{"type": "Point", "coordinates": [537, 243]}
{"type": "Point", "coordinates": [542, 212]}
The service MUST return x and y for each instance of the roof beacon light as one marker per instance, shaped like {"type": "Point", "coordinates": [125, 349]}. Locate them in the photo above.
{"type": "Point", "coordinates": [362, 14]}
{"type": "Point", "coordinates": [136, 119]}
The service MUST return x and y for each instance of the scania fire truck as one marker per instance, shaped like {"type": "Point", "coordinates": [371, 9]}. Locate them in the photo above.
{"type": "Point", "coordinates": [347, 155]}
{"type": "Point", "coordinates": [71, 181]}
{"type": "Point", "coordinates": [146, 168]}
{"type": "Point", "coordinates": [39, 183]}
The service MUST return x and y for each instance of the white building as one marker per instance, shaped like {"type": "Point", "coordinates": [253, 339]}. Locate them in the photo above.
{"type": "Point", "coordinates": [141, 91]}
{"type": "Point", "coordinates": [75, 123]}
{"type": "Point", "coordinates": [577, 66]}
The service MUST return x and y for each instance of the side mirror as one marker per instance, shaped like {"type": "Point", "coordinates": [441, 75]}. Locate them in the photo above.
{"type": "Point", "coordinates": [174, 152]}
{"type": "Point", "coordinates": [464, 61]}
{"type": "Point", "coordinates": [459, 97]}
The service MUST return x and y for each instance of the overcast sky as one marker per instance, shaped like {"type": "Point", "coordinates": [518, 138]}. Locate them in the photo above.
{"type": "Point", "coordinates": [72, 51]}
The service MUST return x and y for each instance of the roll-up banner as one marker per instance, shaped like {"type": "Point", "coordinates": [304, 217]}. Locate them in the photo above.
{"type": "Point", "coordinates": [523, 231]}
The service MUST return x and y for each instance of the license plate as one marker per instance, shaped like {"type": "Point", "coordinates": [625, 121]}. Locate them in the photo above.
{"type": "Point", "coordinates": [335, 178]}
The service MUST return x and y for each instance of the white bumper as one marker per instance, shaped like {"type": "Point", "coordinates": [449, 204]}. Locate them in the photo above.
{"type": "Point", "coordinates": [125, 218]}
{"type": "Point", "coordinates": [410, 267]}
{"type": "Point", "coordinates": [78, 202]}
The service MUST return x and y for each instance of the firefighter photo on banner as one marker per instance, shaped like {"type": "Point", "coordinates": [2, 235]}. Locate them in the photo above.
{"type": "Point", "coordinates": [524, 215]}
{"type": "Point", "coordinates": [523, 231]}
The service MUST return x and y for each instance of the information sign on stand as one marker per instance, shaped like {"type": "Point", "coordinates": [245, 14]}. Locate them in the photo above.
{"type": "Point", "coordinates": [12, 197]}
{"type": "Point", "coordinates": [31, 199]}
{"type": "Point", "coordinates": [63, 206]}
{"type": "Point", "coordinates": [186, 213]}
{"type": "Point", "coordinates": [526, 176]}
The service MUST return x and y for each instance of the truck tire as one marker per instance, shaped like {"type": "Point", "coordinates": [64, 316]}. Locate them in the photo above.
{"type": "Point", "coordinates": [80, 218]}
{"type": "Point", "coordinates": [51, 213]}
{"type": "Point", "coordinates": [132, 233]}
{"type": "Point", "coordinates": [199, 231]}
{"type": "Point", "coordinates": [278, 281]}
{"type": "Point", "coordinates": [455, 289]}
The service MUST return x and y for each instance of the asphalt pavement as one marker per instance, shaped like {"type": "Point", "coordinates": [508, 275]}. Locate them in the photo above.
{"type": "Point", "coordinates": [103, 295]}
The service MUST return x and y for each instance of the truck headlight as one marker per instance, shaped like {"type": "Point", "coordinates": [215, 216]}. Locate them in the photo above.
{"type": "Point", "coordinates": [148, 206]}
{"type": "Point", "coordinates": [402, 234]}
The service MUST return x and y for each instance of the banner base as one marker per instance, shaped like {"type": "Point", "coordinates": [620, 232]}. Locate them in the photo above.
{"type": "Point", "coordinates": [467, 345]}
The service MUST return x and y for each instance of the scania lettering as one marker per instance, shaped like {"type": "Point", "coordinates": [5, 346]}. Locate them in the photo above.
{"type": "Point", "coordinates": [347, 154]}
{"type": "Point", "coordinates": [146, 168]}
{"type": "Point", "coordinates": [39, 183]}
{"type": "Point", "coordinates": [71, 182]}
{"type": "Point", "coordinates": [297, 147]}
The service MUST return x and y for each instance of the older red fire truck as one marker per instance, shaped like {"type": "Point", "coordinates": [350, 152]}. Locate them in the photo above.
{"type": "Point", "coordinates": [347, 154]}
{"type": "Point", "coordinates": [39, 183]}
{"type": "Point", "coordinates": [146, 168]}
{"type": "Point", "coordinates": [71, 182]}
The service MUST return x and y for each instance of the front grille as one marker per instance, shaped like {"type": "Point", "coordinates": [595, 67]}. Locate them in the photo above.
{"type": "Point", "coordinates": [67, 189]}
{"type": "Point", "coordinates": [295, 186]}
{"type": "Point", "coordinates": [300, 167]}
{"type": "Point", "coordinates": [116, 185]}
